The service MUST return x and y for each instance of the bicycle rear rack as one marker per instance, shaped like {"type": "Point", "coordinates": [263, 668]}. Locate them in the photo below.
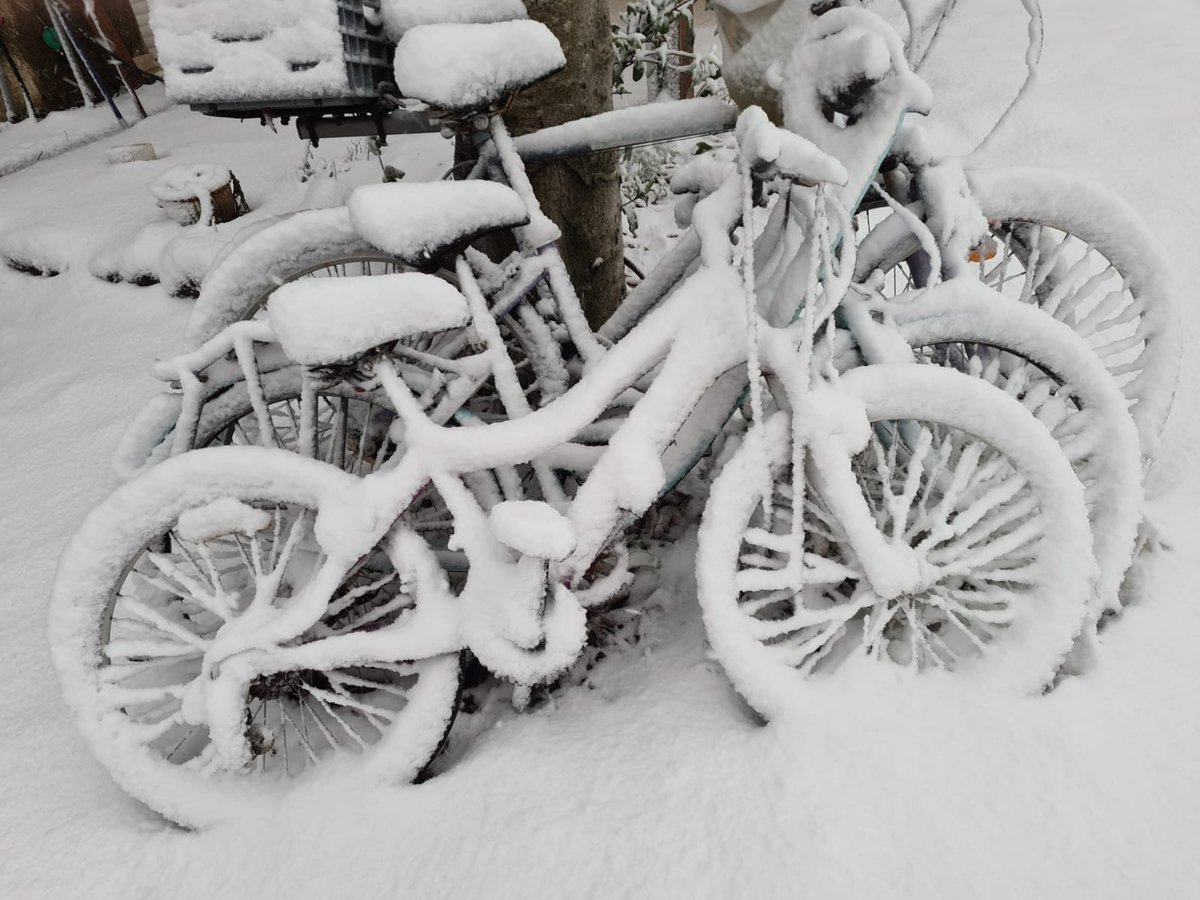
{"type": "Point", "coordinates": [205, 61]}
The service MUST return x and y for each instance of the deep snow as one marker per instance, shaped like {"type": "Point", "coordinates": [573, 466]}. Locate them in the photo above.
{"type": "Point", "coordinates": [656, 783]}
{"type": "Point", "coordinates": [59, 132]}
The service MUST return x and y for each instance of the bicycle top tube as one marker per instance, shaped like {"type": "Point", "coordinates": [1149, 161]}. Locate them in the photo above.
{"type": "Point", "coordinates": [684, 325]}
{"type": "Point", "coordinates": [631, 126]}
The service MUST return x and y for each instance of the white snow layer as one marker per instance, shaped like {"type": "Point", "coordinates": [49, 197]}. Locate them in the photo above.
{"type": "Point", "coordinates": [654, 783]}
{"type": "Point", "coordinates": [416, 221]}
{"type": "Point", "coordinates": [532, 528]}
{"type": "Point", "coordinates": [475, 66]}
{"type": "Point", "coordinates": [27, 142]}
{"type": "Point", "coordinates": [401, 15]}
{"type": "Point", "coordinates": [233, 50]}
{"type": "Point", "coordinates": [324, 321]}
{"type": "Point", "coordinates": [221, 517]}
{"type": "Point", "coordinates": [189, 182]}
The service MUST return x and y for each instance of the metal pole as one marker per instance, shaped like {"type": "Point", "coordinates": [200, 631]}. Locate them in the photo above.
{"type": "Point", "coordinates": [99, 41]}
{"type": "Point", "coordinates": [70, 35]}
{"type": "Point", "coordinates": [20, 79]}
{"type": "Point", "coordinates": [10, 107]}
{"type": "Point", "coordinates": [72, 60]}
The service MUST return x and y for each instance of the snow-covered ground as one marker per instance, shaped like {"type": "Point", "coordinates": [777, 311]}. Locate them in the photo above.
{"type": "Point", "coordinates": [656, 783]}
{"type": "Point", "coordinates": [24, 143]}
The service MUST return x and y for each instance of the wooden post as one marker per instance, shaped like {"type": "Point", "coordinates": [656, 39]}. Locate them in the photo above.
{"type": "Point", "coordinates": [98, 16]}
{"type": "Point", "coordinates": [686, 39]}
{"type": "Point", "coordinates": [179, 192]}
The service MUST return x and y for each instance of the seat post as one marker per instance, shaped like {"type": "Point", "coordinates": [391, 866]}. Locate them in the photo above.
{"type": "Point", "coordinates": [541, 231]}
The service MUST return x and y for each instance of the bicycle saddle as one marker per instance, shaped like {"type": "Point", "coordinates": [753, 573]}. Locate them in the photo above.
{"type": "Point", "coordinates": [463, 68]}
{"type": "Point", "coordinates": [401, 15]}
{"type": "Point", "coordinates": [420, 222]}
{"type": "Point", "coordinates": [330, 321]}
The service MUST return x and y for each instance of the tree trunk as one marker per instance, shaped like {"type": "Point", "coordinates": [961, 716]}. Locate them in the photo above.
{"type": "Point", "coordinates": [582, 196]}
{"type": "Point", "coordinates": [686, 38]}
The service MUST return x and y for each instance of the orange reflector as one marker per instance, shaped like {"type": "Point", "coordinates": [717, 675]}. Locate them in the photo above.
{"type": "Point", "coordinates": [984, 251]}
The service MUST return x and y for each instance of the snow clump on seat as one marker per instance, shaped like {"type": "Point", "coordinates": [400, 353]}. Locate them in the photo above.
{"type": "Point", "coordinates": [326, 321]}
{"type": "Point", "coordinates": [464, 67]}
{"type": "Point", "coordinates": [401, 15]}
{"type": "Point", "coordinates": [417, 222]}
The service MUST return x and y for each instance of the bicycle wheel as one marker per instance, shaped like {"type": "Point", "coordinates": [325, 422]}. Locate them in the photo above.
{"type": "Point", "coordinates": [139, 599]}
{"type": "Point", "coordinates": [351, 430]}
{"type": "Point", "coordinates": [1076, 251]}
{"type": "Point", "coordinates": [319, 243]}
{"type": "Point", "coordinates": [1047, 367]}
{"type": "Point", "coordinates": [954, 469]}
{"type": "Point", "coordinates": [324, 244]}
{"type": "Point", "coordinates": [352, 425]}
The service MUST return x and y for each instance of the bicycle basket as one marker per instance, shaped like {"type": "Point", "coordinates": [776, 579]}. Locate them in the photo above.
{"type": "Point", "coordinates": [232, 57]}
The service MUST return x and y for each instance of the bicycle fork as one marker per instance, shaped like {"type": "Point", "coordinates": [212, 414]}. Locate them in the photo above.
{"type": "Point", "coordinates": [833, 427]}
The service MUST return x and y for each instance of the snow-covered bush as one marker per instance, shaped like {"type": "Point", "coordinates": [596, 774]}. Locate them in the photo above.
{"type": "Point", "coordinates": [645, 41]}
{"type": "Point", "coordinates": [645, 179]}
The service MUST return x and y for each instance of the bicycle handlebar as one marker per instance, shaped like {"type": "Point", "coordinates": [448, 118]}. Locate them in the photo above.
{"type": "Point", "coordinates": [632, 126]}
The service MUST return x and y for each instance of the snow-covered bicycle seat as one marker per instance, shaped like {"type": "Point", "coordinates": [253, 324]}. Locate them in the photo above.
{"type": "Point", "coordinates": [331, 321]}
{"type": "Point", "coordinates": [461, 68]}
{"type": "Point", "coordinates": [401, 15]}
{"type": "Point", "coordinates": [420, 222]}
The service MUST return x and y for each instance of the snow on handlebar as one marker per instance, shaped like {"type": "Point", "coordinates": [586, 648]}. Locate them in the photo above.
{"type": "Point", "coordinates": [773, 152]}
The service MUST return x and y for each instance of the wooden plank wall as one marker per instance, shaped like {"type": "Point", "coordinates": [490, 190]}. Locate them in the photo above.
{"type": "Point", "coordinates": [46, 72]}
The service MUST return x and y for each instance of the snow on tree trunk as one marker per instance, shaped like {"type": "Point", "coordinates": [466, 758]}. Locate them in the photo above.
{"type": "Point", "coordinates": [664, 79]}
{"type": "Point", "coordinates": [685, 36]}
{"type": "Point", "coordinates": [582, 196]}
{"type": "Point", "coordinates": [670, 78]}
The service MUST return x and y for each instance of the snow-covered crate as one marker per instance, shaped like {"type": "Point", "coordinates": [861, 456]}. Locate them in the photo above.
{"type": "Point", "coordinates": [237, 57]}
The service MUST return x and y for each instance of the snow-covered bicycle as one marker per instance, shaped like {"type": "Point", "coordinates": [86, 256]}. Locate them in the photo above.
{"type": "Point", "coordinates": [1094, 268]}
{"type": "Point", "coordinates": [236, 616]}
{"type": "Point", "coordinates": [212, 402]}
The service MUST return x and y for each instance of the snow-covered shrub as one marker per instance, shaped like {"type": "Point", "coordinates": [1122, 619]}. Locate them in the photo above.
{"type": "Point", "coordinates": [645, 41]}
{"type": "Point", "coordinates": [645, 179]}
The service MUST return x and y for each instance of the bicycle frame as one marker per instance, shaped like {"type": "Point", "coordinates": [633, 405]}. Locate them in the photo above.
{"type": "Point", "coordinates": [504, 598]}
{"type": "Point", "coordinates": [541, 268]}
{"type": "Point", "coordinates": [505, 613]}
{"type": "Point", "coordinates": [688, 334]}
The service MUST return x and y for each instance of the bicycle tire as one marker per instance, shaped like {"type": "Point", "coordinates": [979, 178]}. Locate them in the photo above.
{"type": "Point", "coordinates": [106, 642]}
{"type": "Point", "coordinates": [1057, 376]}
{"type": "Point", "coordinates": [291, 247]}
{"type": "Point", "coordinates": [761, 649]}
{"type": "Point", "coordinates": [1073, 220]}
